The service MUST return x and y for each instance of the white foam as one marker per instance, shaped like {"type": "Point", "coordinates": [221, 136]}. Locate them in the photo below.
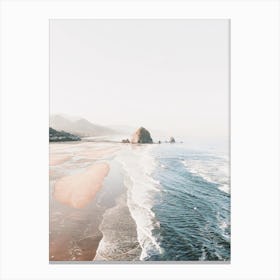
{"type": "Point", "coordinates": [223, 225]}
{"type": "Point", "coordinates": [141, 189]}
{"type": "Point", "coordinates": [225, 188]}
{"type": "Point", "coordinates": [213, 170]}
{"type": "Point", "coordinates": [203, 255]}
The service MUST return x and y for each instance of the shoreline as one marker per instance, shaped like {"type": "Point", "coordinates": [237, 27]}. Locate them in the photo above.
{"type": "Point", "coordinates": [119, 241]}
{"type": "Point", "coordinates": [138, 165]}
{"type": "Point", "coordinates": [83, 189]}
{"type": "Point", "coordinates": [125, 220]}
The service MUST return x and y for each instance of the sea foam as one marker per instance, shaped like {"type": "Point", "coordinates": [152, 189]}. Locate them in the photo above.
{"type": "Point", "coordinates": [213, 170]}
{"type": "Point", "coordinates": [138, 166]}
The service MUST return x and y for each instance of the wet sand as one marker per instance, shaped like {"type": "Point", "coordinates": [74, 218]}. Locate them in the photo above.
{"type": "Point", "coordinates": [79, 189]}
{"type": "Point", "coordinates": [74, 236]}
{"type": "Point", "coordinates": [80, 193]}
{"type": "Point", "coordinates": [58, 159]}
{"type": "Point", "coordinates": [117, 224]}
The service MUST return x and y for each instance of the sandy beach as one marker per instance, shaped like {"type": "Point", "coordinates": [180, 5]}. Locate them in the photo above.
{"type": "Point", "coordinates": [79, 189]}
{"type": "Point", "coordinates": [113, 202]}
{"type": "Point", "coordinates": [80, 192]}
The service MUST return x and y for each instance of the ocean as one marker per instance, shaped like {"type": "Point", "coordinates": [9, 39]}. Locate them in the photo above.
{"type": "Point", "coordinates": [179, 199]}
{"type": "Point", "coordinates": [160, 202]}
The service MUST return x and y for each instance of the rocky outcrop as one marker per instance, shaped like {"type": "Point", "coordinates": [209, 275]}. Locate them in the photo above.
{"type": "Point", "coordinates": [59, 136]}
{"type": "Point", "coordinates": [125, 141]}
{"type": "Point", "coordinates": [172, 140]}
{"type": "Point", "coordinates": [141, 136]}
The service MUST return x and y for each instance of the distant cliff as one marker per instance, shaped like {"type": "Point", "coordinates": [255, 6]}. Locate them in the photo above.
{"type": "Point", "coordinates": [59, 136]}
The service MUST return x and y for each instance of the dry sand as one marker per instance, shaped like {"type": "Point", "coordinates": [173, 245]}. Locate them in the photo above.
{"type": "Point", "coordinates": [79, 189]}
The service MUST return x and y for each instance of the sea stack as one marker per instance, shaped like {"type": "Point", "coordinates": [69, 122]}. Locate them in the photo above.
{"type": "Point", "coordinates": [172, 140]}
{"type": "Point", "coordinates": [142, 135]}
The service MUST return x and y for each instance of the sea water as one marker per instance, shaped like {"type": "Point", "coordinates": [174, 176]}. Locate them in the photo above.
{"type": "Point", "coordinates": [179, 199]}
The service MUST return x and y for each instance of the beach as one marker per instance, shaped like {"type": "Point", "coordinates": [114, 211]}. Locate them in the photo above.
{"type": "Point", "coordinates": [112, 201]}
{"type": "Point", "coordinates": [139, 133]}
{"type": "Point", "coordinates": [84, 182]}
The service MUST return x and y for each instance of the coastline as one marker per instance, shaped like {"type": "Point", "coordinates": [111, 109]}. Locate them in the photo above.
{"type": "Point", "coordinates": [119, 241]}
{"type": "Point", "coordinates": [125, 210]}
{"type": "Point", "coordinates": [84, 189]}
{"type": "Point", "coordinates": [138, 165]}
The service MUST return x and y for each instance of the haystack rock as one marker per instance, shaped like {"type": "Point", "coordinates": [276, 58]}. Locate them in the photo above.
{"type": "Point", "coordinates": [172, 140]}
{"type": "Point", "coordinates": [142, 135]}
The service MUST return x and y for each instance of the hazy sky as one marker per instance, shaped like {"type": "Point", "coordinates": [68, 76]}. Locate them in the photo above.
{"type": "Point", "coordinates": [171, 75]}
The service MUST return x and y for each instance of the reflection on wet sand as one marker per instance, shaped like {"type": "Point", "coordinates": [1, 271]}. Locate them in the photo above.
{"type": "Point", "coordinates": [79, 189]}
{"type": "Point", "coordinates": [77, 198]}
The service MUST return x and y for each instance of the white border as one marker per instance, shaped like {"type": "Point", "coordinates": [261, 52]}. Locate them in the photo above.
{"type": "Point", "coordinates": [254, 142]}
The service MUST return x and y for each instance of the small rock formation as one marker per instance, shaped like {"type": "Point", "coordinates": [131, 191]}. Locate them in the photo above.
{"type": "Point", "coordinates": [125, 141]}
{"type": "Point", "coordinates": [159, 141]}
{"type": "Point", "coordinates": [142, 135]}
{"type": "Point", "coordinates": [172, 140]}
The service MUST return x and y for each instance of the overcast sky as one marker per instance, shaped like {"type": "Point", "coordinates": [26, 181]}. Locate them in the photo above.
{"type": "Point", "coordinates": [170, 75]}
